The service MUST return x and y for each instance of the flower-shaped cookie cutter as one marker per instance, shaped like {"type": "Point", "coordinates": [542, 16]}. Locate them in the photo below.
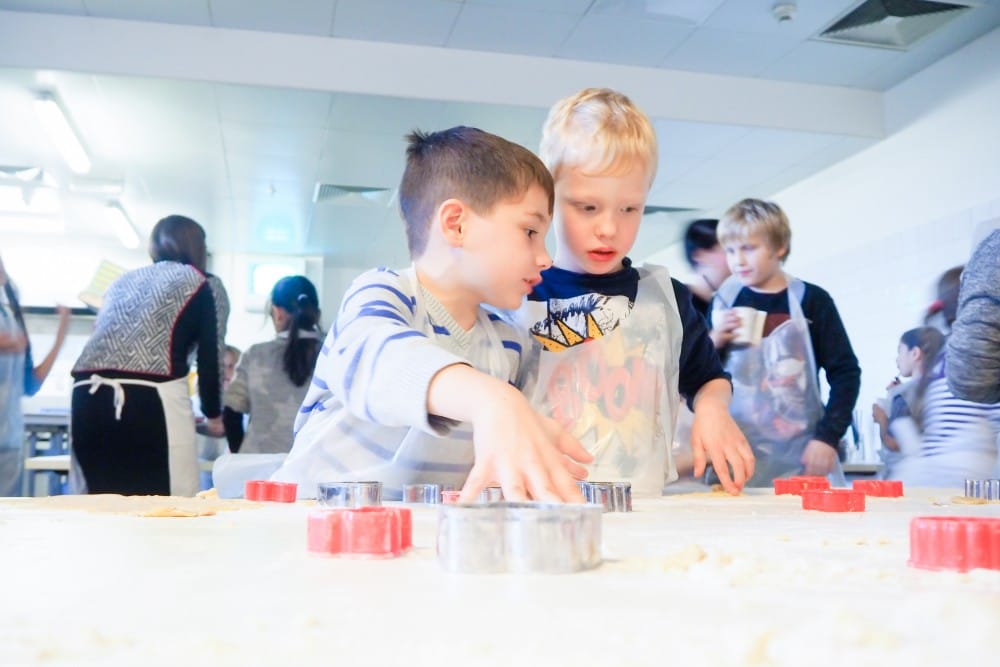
{"type": "Point", "coordinates": [278, 492]}
{"type": "Point", "coordinates": [371, 532]}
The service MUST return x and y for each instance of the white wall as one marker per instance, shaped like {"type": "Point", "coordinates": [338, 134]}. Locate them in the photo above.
{"type": "Point", "coordinates": [879, 228]}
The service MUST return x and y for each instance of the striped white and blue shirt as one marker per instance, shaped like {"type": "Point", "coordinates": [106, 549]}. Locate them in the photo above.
{"type": "Point", "coordinates": [364, 417]}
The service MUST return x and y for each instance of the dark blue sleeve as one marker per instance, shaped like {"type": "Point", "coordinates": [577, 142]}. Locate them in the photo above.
{"type": "Point", "coordinates": [31, 384]}
{"type": "Point", "coordinates": [699, 360]}
{"type": "Point", "coordinates": [835, 356]}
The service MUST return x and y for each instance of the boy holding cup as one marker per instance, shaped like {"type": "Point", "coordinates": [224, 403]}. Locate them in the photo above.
{"type": "Point", "coordinates": [776, 399]}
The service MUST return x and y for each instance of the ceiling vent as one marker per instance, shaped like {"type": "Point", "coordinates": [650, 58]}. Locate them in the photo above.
{"type": "Point", "coordinates": [352, 195]}
{"type": "Point", "coordinates": [892, 24]}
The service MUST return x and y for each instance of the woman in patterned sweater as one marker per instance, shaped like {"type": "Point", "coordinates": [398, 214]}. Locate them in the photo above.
{"type": "Point", "coordinates": [133, 430]}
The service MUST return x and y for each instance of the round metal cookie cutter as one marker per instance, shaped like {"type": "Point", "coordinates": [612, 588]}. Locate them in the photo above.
{"type": "Point", "coordinates": [519, 537]}
{"type": "Point", "coordinates": [612, 496]}
{"type": "Point", "coordinates": [349, 494]}
{"type": "Point", "coordinates": [987, 489]}
{"type": "Point", "coordinates": [428, 494]}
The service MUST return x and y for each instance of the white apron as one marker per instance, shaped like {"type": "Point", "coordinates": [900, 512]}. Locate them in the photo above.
{"type": "Point", "coordinates": [776, 400]}
{"type": "Point", "coordinates": [618, 394]}
{"type": "Point", "coordinates": [182, 449]}
{"type": "Point", "coordinates": [11, 417]}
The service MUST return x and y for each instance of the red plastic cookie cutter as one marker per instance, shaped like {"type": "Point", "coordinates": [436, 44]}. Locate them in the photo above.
{"type": "Point", "coordinates": [450, 496]}
{"type": "Point", "coordinates": [883, 488]}
{"type": "Point", "coordinates": [278, 492]}
{"type": "Point", "coordinates": [376, 532]}
{"type": "Point", "coordinates": [959, 543]}
{"type": "Point", "coordinates": [833, 500]}
{"type": "Point", "coordinates": [796, 485]}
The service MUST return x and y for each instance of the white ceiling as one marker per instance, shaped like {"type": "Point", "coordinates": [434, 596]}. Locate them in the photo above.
{"type": "Point", "coordinates": [231, 111]}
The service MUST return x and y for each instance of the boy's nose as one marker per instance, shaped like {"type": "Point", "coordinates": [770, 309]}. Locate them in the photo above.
{"type": "Point", "coordinates": [606, 226]}
{"type": "Point", "coordinates": [544, 260]}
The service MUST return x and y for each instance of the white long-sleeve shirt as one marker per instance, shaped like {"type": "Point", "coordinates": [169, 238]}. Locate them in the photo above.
{"type": "Point", "coordinates": [364, 417]}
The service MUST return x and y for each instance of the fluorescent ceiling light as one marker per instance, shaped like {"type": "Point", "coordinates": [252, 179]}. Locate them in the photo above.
{"type": "Point", "coordinates": [122, 225]}
{"type": "Point", "coordinates": [32, 224]}
{"type": "Point", "coordinates": [61, 132]}
{"type": "Point", "coordinates": [30, 200]}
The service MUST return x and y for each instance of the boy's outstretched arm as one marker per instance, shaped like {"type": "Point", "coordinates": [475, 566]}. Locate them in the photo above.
{"type": "Point", "coordinates": [716, 437]}
{"type": "Point", "coordinates": [529, 455]}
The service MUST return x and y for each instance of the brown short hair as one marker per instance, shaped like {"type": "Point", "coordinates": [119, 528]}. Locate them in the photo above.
{"type": "Point", "coordinates": [756, 216]}
{"type": "Point", "coordinates": [465, 163]}
{"type": "Point", "coordinates": [179, 239]}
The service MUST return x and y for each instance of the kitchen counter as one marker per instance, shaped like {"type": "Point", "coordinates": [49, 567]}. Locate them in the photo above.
{"type": "Point", "coordinates": [699, 578]}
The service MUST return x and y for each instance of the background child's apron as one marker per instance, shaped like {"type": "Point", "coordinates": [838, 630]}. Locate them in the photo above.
{"type": "Point", "coordinates": [776, 400]}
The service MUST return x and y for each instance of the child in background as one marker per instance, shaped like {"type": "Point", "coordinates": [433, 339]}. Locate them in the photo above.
{"type": "Point", "coordinates": [776, 399]}
{"type": "Point", "coordinates": [949, 440]}
{"type": "Point", "coordinates": [707, 258]}
{"type": "Point", "coordinates": [918, 348]}
{"type": "Point", "coordinates": [621, 342]}
{"type": "Point", "coordinates": [272, 378]}
{"type": "Point", "coordinates": [416, 381]}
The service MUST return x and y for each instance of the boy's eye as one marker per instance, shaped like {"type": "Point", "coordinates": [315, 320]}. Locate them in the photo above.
{"type": "Point", "coordinates": [630, 209]}
{"type": "Point", "coordinates": [531, 233]}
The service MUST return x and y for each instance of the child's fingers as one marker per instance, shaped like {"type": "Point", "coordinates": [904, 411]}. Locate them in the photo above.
{"type": "Point", "coordinates": [722, 470]}
{"type": "Point", "coordinates": [477, 480]}
{"type": "Point", "coordinates": [563, 474]}
{"type": "Point", "coordinates": [749, 460]}
{"type": "Point", "coordinates": [698, 452]}
{"type": "Point", "coordinates": [565, 442]}
{"type": "Point", "coordinates": [575, 470]}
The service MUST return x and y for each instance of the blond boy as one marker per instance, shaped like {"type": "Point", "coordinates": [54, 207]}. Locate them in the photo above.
{"type": "Point", "coordinates": [416, 381]}
{"type": "Point", "coordinates": [621, 343]}
{"type": "Point", "coordinates": [776, 398]}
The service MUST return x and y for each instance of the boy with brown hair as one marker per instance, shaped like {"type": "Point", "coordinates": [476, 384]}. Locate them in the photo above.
{"type": "Point", "coordinates": [416, 382]}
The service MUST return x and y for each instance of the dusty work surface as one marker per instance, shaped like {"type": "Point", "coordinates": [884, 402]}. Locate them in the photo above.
{"type": "Point", "coordinates": [697, 578]}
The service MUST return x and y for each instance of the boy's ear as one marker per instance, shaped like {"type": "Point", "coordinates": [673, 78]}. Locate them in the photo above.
{"type": "Point", "coordinates": [451, 220]}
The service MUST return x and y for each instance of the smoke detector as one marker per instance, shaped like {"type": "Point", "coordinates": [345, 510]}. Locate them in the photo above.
{"type": "Point", "coordinates": [784, 12]}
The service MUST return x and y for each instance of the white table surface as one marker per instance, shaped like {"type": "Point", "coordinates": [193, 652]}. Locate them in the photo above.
{"type": "Point", "coordinates": [687, 579]}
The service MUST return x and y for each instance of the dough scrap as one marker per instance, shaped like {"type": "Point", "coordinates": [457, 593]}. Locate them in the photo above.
{"type": "Point", "coordinates": [145, 506]}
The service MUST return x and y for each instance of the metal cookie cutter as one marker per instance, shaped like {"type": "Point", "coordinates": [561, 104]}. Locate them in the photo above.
{"type": "Point", "coordinates": [491, 494]}
{"type": "Point", "coordinates": [429, 494]}
{"type": "Point", "coordinates": [987, 489]}
{"type": "Point", "coordinates": [349, 494]}
{"type": "Point", "coordinates": [519, 537]}
{"type": "Point", "coordinates": [612, 496]}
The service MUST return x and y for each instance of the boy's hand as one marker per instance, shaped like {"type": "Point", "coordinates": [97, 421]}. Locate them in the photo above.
{"type": "Point", "coordinates": [819, 458]}
{"type": "Point", "coordinates": [879, 415]}
{"type": "Point", "coordinates": [724, 330]}
{"type": "Point", "coordinates": [715, 437]}
{"type": "Point", "coordinates": [530, 456]}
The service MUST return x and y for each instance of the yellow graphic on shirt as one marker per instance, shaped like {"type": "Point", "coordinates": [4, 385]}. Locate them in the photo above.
{"type": "Point", "coordinates": [571, 336]}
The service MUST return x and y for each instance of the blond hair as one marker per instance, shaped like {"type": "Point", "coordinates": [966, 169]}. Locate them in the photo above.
{"type": "Point", "coordinates": [600, 131]}
{"type": "Point", "coordinates": [756, 217]}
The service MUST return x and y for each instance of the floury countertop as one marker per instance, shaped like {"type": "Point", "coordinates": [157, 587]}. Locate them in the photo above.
{"type": "Point", "coordinates": [695, 578]}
